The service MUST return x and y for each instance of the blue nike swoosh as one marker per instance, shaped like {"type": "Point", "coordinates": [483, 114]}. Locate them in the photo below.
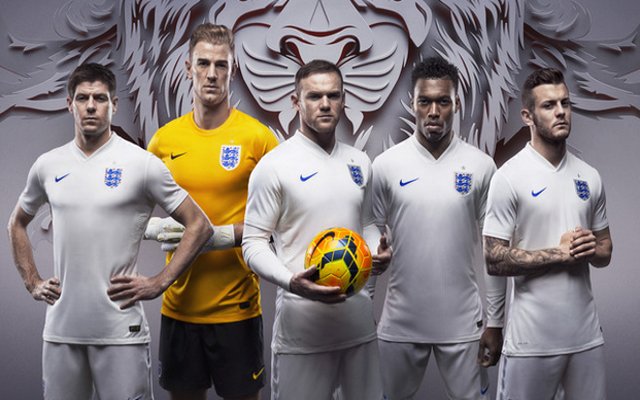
{"type": "Point", "coordinates": [306, 178]}
{"type": "Point", "coordinates": [536, 194]}
{"type": "Point", "coordinates": [58, 179]}
{"type": "Point", "coordinates": [405, 183]}
{"type": "Point", "coordinates": [483, 391]}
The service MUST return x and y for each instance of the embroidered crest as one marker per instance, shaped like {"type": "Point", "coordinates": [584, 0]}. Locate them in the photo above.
{"type": "Point", "coordinates": [229, 157]}
{"type": "Point", "coordinates": [463, 182]}
{"type": "Point", "coordinates": [112, 177]}
{"type": "Point", "coordinates": [356, 174]}
{"type": "Point", "coordinates": [582, 189]}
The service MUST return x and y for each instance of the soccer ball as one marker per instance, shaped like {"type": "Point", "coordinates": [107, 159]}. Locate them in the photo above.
{"type": "Point", "coordinates": [342, 258]}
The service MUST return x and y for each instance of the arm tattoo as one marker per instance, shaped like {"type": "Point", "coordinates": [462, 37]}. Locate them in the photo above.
{"type": "Point", "coordinates": [510, 261]}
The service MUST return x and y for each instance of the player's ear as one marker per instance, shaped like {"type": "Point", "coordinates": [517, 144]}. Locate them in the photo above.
{"type": "Point", "coordinates": [456, 104]}
{"type": "Point", "coordinates": [295, 100]}
{"type": "Point", "coordinates": [70, 104]}
{"type": "Point", "coordinates": [187, 66]}
{"type": "Point", "coordinates": [114, 103]}
{"type": "Point", "coordinates": [234, 68]}
{"type": "Point", "coordinates": [527, 116]}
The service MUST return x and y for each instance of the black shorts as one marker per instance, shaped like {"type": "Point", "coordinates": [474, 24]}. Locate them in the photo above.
{"type": "Point", "coordinates": [230, 355]}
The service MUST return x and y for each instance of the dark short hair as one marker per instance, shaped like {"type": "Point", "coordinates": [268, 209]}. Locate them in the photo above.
{"type": "Point", "coordinates": [211, 33]}
{"type": "Point", "coordinates": [542, 76]}
{"type": "Point", "coordinates": [91, 72]}
{"type": "Point", "coordinates": [317, 67]}
{"type": "Point", "coordinates": [435, 68]}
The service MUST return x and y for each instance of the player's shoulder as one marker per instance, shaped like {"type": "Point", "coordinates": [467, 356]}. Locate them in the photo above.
{"type": "Point", "coordinates": [175, 126]}
{"type": "Point", "coordinates": [476, 153]}
{"type": "Point", "coordinates": [131, 151]}
{"type": "Point", "coordinates": [246, 119]}
{"type": "Point", "coordinates": [397, 151]}
{"type": "Point", "coordinates": [579, 163]}
{"type": "Point", "coordinates": [352, 153]}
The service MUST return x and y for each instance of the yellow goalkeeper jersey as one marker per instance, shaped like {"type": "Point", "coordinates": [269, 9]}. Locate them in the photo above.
{"type": "Point", "coordinates": [214, 167]}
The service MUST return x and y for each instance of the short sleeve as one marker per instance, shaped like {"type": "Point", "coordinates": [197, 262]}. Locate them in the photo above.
{"type": "Point", "coordinates": [160, 186]}
{"type": "Point", "coordinates": [500, 218]}
{"type": "Point", "coordinates": [33, 196]}
{"type": "Point", "coordinates": [599, 221]}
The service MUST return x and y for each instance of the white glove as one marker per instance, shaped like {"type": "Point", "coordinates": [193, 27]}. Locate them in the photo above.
{"type": "Point", "coordinates": [164, 230]}
{"type": "Point", "coordinates": [223, 238]}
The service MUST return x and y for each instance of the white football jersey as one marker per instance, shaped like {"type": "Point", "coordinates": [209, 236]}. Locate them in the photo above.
{"type": "Point", "coordinates": [434, 209]}
{"type": "Point", "coordinates": [296, 191]}
{"type": "Point", "coordinates": [100, 206]}
{"type": "Point", "coordinates": [532, 203]}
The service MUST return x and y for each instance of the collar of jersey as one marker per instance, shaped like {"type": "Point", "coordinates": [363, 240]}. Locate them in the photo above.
{"type": "Point", "coordinates": [427, 154]}
{"type": "Point", "coordinates": [210, 132]}
{"type": "Point", "coordinates": [543, 162]}
{"type": "Point", "coordinates": [313, 146]}
{"type": "Point", "coordinates": [83, 157]}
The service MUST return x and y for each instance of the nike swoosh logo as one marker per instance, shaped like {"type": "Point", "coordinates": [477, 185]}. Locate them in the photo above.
{"type": "Point", "coordinates": [405, 183]}
{"type": "Point", "coordinates": [483, 391]}
{"type": "Point", "coordinates": [536, 194]}
{"type": "Point", "coordinates": [256, 375]}
{"type": "Point", "coordinates": [174, 156]}
{"type": "Point", "coordinates": [306, 178]}
{"type": "Point", "coordinates": [59, 178]}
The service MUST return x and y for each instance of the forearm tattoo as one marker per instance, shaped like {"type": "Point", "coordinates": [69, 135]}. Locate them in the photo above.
{"type": "Point", "coordinates": [510, 261]}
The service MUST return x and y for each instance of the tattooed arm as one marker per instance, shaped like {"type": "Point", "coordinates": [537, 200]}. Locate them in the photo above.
{"type": "Point", "coordinates": [510, 261]}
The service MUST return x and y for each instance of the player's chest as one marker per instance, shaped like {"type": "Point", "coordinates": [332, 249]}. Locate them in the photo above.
{"type": "Point", "coordinates": [420, 185]}
{"type": "Point", "coordinates": [98, 183]}
{"type": "Point", "coordinates": [210, 164]}
{"type": "Point", "coordinates": [552, 193]}
{"type": "Point", "coordinates": [327, 184]}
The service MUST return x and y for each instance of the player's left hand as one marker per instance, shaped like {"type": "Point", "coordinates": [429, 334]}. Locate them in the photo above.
{"type": "Point", "coordinates": [383, 258]}
{"type": "Point", "coordinates": [164, 230]}
{"type": "Point", "coordinates": [490, 347]}
{"type": "Point", "coordinates": [583, 244]}
{"type": "Point", "coordinates": [133, 288]}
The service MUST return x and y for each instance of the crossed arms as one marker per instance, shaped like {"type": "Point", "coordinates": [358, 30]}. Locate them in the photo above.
{"type": "Point", "coordinates": [575, 246]}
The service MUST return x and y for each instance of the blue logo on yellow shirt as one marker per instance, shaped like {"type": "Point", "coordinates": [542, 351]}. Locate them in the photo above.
{"type": "Point", "coordinates": [463, 182]}
{"type": "Point", "coordinates": [582, 189]}
{"type": "Point", "coordinates": [112, 177]}
{"type": "Point", "coordinates": [229, 157]}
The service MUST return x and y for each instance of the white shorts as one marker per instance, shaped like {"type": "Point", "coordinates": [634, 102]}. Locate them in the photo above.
{"type": "Point", "coordinates": [347, 374]}
{"type": "Point", "coordinates": [582, 375]}
{"type": "Point", "coordinates": [113, 372]}
{"type": "Point", "coordinates": [404, 365]}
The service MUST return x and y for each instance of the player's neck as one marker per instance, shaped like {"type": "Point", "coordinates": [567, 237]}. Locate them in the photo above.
{"type": "Point", "coordinates": [552, 151]}
{"type": "Point", "coordinates": [326, 140]}
{"type": "Point", "coordinates": [208, 117]}
{"type": "Point", "coordinates": [88, 144]}
{"type": "Point", "coordinates": [435, 148]}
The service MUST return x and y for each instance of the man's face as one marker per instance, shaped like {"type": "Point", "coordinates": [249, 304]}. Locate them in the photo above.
{"type": "Point", "coordinates": [92, 108]}
{"type": "Point", "coordinates": [210, 68]}
{"type": "Point", "coordinates": [319, 101]}
{"type": "Point", "coordinates": [550, 118]}
{"type": "Point", "coordinates": [434, 104]}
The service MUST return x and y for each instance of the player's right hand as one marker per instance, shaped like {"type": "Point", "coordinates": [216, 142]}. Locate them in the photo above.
{"type": "Point", "coordinates": [302, 285]}
{"type": "Point", "coordinates": [164, 230]}
{"type": "Point", "coordinates": [47, 290]}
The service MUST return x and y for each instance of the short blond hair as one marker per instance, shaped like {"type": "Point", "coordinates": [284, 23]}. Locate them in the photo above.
{"type": "Point", "coordinates": [211, 33]}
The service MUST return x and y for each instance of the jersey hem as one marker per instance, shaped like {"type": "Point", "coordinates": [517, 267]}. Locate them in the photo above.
{"type": "Point", "coordinates": [578, 349]}
{"type": "Point", "coordinates": [466, 339]}
{"type": "Point", "coordinates": [281, 349]}
{"type": "Point", "coordinates": [196, 320]}
{"type": "Point", "coordinates": [114, 342]}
